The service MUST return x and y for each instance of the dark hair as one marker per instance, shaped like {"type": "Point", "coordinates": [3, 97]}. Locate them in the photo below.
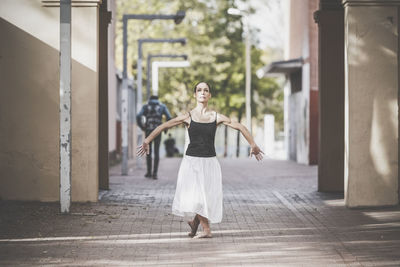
{"type": "Point", "coordinates": [154, 97]}
{"type": "Point", "coordinates": [194, 89]}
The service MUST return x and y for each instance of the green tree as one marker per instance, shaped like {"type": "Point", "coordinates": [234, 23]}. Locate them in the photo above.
{"type": "Point", "coordinates": [216, 52]}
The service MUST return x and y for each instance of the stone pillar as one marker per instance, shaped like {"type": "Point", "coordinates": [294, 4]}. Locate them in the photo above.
{"type": "Point", "coordinates": [371, 102]}
{"type": "Point", "coordinates": [104, 20]}
{"type": "Point", "coordinates": [330, 19]}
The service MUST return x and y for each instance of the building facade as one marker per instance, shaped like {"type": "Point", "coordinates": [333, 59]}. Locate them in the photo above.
{"type": "Point", "coordinates": [341, 98]}
{"type": "Point", "coordinates": [29, 100]}
{"type": "Point", "coordinates": [300, 66]}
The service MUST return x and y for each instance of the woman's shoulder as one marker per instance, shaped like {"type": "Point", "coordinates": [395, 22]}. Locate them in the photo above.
{"type": "Point", "coordinates": [183, 115]}
{"type": "Point", "coordinates": [222, 118]}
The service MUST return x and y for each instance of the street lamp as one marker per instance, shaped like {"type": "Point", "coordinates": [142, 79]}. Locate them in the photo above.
{"type": "Point", "coordinates": [139, 63]}
{"type": "Point", "coordinates": [178, 17]}
{"type": "Point", "coordinates": [244, 14]}
{"type": "Point", "coordinates": [139, 91]}
{"type": "Point", "coordinates": [149, 58]}
{"type": "Point", "coordinates": [165, 64]}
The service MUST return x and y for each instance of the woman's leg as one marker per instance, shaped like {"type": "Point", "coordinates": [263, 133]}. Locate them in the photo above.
{"type": "Point", "coordinates": [194, 224]}
{"type": "Point", "coordinates": [206, 228]}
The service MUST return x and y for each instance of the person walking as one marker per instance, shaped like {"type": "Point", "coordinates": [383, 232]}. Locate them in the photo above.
{"type": "Point", "coordinates": [199, 184]}
{"type": "Point", "coordinates": [152, 113]}
{"type": "Point", "coordinates": [170, 147]}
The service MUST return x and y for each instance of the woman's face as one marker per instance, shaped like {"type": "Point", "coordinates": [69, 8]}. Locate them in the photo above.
{"type": "Point", "coordinates": [202, 93]}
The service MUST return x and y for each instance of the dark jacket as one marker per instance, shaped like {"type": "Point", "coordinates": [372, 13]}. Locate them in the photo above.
{"type": "Point", "coordinates": [152, 112]}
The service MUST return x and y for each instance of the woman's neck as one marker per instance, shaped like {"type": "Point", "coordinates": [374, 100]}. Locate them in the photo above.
{"type": "Point", "coordinates": [202, 107]}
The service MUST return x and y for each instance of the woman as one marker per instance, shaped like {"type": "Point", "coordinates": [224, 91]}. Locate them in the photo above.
{"type": "Point", "coordinates": [199, 184]}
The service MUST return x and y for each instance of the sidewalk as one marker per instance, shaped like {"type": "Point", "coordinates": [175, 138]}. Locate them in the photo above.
{"type": "Point", "coordinates": [273, 216]}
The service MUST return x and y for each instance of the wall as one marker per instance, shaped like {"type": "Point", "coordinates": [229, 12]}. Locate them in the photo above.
{"type": "Point", "coordinates": [298, 116]}
{"type": "Point", "coordinates": [314, 90]}
{"type": "Point", "coordinates": [303, 106]}
{"type": "Point", "coordinates": [29, 102]}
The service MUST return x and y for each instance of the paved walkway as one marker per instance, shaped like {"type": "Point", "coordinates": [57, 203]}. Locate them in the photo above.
{"type": "Point", "coordinates": [273, 216]}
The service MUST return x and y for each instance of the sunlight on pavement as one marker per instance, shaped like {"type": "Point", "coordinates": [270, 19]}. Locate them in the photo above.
{"type": "Point", "coordinates": [381, 225]}
{"type": "Point", "coordinates": [384, 215]}
{"type": "Point", "coordinates": [334, 202]}
{"type": "Point", "coordinates": [115, 237]}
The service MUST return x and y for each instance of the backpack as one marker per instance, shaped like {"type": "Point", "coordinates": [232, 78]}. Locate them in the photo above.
{"type": "Point", "coordinates": [153, 114]}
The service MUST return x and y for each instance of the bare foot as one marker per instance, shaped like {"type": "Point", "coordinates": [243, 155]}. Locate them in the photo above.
{"type": "Point", "coordinates": [193, 225]}
{"type": "Point", "coordinates": [203, 235]}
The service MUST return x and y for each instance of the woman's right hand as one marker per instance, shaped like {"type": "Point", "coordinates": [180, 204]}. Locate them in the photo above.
{"type": "Point", "coordinates": [257, 152]}
{"type": "Point", "coordinates": [143, 149]}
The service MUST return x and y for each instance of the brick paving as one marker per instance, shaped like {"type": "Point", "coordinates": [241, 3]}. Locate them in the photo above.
{"type": "Point", "coordinates": [273, 216]}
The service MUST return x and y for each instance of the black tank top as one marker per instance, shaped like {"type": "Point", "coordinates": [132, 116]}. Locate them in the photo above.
{"type": "Point", "coordinates": [201, 135]}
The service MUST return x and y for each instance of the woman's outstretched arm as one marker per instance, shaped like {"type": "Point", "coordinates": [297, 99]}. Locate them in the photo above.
{"type": "Point", "coordinates": [255, 150]}
{"type": "Point", "coordinates": [144, 148]}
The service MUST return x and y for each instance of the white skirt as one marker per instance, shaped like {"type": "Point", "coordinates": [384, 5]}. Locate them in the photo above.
{"type": "Point", "coordinates": [199, 188]}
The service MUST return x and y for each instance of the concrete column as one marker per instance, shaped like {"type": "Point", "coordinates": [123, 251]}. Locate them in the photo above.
{"type": "Point", "coordinates": [371, 103]}
{"type": "Point", "coordinates": [330, 19]}
{"type": "Point", "coordinates": [104, 20]}
{"type": "Point", "coordinates": [65, 105]}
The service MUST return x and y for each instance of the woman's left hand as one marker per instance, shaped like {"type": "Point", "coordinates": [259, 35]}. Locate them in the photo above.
{"type": "Point", "coordinates": [256, 151]}
{"type": "Point", "coordinates": [143, 149]}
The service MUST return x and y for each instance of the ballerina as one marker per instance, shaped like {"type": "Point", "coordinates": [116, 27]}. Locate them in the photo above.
{"type": "Point", "coordinates": [199, 183]}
